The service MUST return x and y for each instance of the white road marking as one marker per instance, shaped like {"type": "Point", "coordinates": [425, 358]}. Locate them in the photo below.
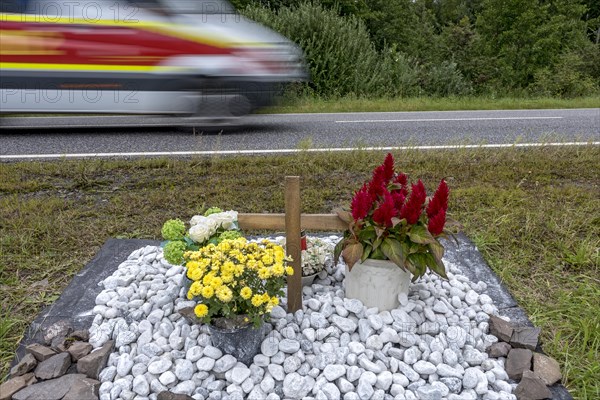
{"type": "Point", "coordinates": [361, 121]}
{"type": "Point", "coordinates": [286, 151]}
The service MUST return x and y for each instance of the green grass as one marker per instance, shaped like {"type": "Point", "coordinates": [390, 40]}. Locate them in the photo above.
{"type": "Point", "coordinates": [534, 214]}
{"type": "Point", "coordinates": [349, 104]}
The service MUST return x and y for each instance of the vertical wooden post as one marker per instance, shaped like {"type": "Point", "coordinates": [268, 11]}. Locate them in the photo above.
{"type": "Point", "coordinates": [292, 240]}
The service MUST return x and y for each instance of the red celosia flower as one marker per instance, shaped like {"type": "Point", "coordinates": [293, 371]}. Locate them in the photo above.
{"type": "Point", "coordinates": [386, 211]}
{"type": "Point", "coordinates": [439, 200]}
{"type": "Point", "coordinates": [388, 168]}
{"type": "Point", "coordinates": [377, 184]}
{"type": "Point", "coordinates": [361, 203]}
{"type": "Point", "coordinates": [399, 196]}
{"type": "Point", "coordinates": [413, 207]}
{"type": "Point", "coordinates": [437, 222]}
{"type": "Point", "coordinates": [401, 179]}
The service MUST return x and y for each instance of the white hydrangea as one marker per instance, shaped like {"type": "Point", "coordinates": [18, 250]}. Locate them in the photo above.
{"type": "Point", "coordinates": [316, 257]}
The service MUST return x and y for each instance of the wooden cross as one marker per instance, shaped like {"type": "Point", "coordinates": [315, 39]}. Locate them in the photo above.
{"type": "Point", "coordinates": [293, 222]}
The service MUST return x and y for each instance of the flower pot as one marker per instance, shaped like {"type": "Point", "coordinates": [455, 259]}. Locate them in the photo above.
{"type": "Point", "coordinates": [242, 343]}
{"type": "Point", "coordinates": [309, 279]}
{"type": "Point", "coordinates": [377, 283]}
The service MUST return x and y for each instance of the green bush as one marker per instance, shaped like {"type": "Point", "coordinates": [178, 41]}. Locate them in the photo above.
{"type": "Point", "coordinates": [566, 78]}
{"type": "Point", "coordinates": [445, 79]}
{"type": "Point", "coordinates": [340, 54]}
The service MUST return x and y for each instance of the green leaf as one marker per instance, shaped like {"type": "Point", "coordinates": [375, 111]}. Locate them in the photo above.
{"type": "Point", "coordinates": [420, 234]}
{"type": "Point", "coordinates": [411, 268]}
{"type": "Point", "coordinates": [337, 251]}
{"type": "Point", "coordinates": [367, 234]}
{"type": "Point", "coordinates": [352, 253]}
{"type": "Point", "coordinates": [436, 251]}
{"type": "Point", "coordinates": [366, 253]}
{"type": "Point", "coordinates": [393, 251]}
{"type": "Point", "coordinates": [377, 243]}
{"type": "Point", "coordinates": [419, 260]}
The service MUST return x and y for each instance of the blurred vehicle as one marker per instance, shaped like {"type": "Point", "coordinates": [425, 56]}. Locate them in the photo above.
{"type": "Point", "coordinates": [182, 57]}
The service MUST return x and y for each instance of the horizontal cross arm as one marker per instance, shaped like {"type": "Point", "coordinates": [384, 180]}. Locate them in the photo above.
{"type": "Point", "coordinates": [311, 222]}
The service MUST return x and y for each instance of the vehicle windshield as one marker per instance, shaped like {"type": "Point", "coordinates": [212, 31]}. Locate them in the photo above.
{"type": "Point", "coordinates": [199, 6]}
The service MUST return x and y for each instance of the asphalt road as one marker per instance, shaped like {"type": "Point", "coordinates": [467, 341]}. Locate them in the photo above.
{"type": "Point", "coordinates": [55, 136]}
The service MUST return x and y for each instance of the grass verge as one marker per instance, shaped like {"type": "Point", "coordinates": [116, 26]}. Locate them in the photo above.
{"type": "Point", "coordinates": [534, 213]}
{"type": "Point", "coordinates": [350, 104]}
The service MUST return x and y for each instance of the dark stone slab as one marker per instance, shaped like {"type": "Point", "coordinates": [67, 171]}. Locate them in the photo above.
{"type": "Point", "coordinates": [525, 338]}
{"type": "Point", "coordinates": [54, 389]}
{"type": "Point", "coordinates": [546, 368]}
{"type": "Point", "coordinates": [500, 349]}
{"type": "Point", "coordinates": [500, 328]}
{"type": "Point", "coordinates": [93, 363]}
{"type": "Point", "coordinates": [13, 385]}
{"type": "Point", "coordinates": [532, 387]}
{"type": "Point", "coordinates": [54, 367]}
{"type": "Point", "coordinates": [39, 352]}
{"type": "Point", "coordinates": [518, 361]}
{"type": "Point", "coordinates": [25, 365]}
{"type": "Point", "coordinates": [173, 396]}
{"type": "Point", "coordinates": [78, 299]}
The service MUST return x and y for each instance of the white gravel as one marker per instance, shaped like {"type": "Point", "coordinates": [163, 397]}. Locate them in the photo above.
{"type": "Point", "coordinates": [431, 347]}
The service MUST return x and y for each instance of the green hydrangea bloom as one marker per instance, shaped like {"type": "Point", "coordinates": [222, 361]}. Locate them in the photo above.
{"type": "Point", "coordinates": [212, 210]}
{"type": "Point", "coordinates": [229, 235]}
{"type": "Point", "coordinates": [173, 229]}
{"type": "Point", "coordinates": [173, 252]}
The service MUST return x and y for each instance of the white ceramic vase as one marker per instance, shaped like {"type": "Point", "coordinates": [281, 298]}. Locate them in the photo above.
{"type": "Point", "coordinates": [377, 283]}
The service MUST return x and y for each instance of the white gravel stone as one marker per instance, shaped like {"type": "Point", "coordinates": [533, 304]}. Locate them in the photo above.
{"type": "Point", "coordinates": [333, 372]}
{"type": "Point", "coordinates": [167, 378]}
{"type": "Point", "coordinates": [140, 386]}
{"type": "Point", "coordinates": [289, 346]}
{"type": "Point", "coordinates": [212, 352]}
{"type": "Point", "coordinates": [205, 364]}
{"type": "Point", "coordinates": [471, 297]}
{"type": "Point", "coordinates": [424, 367]}
{"type": "Point", "coordinates": [276, 372]}
{"type": "Point", "coordinates": [345, 324]}
{"type": "Point", "coordinates": [270, 346]}
{"type": "Point", "coordinates": [184, 369]}
{"type": "Point", "coordinates": [240, 374]}
{"type": "Point", "coordinates": [159, 366]}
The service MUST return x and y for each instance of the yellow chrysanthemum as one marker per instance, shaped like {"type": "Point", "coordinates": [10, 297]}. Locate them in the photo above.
{"type": "Point", "coordinates": [264, 273]}
{"type": "Point", "coordinates": [267, 259]}
{"type": "Point", "coordinates": [266, 298]}
{"type": "Point", "coordinates": [278, 269]}
{"type": "Point", "coordinates": [227, 278]}
{"type": "Point", "coordinates": [224, 294]}
{"type": "Point", "coordinates": [274, 301]}
{"type": "Point", "coordinates": [257, 300]}
{"type": "Point", "coordinates": [195, 288]}
{"type": "Point", "coordinates": [195, 274]}
{"type": "Point", "coordinates": [246, 293]}
{"type": "Point", "coordinates": [216, 282]}
{"type": "Point", "coordinates": [279, 257]}
{"type": "Point", "coordinates": [201, 310]}
{"type": "Point", "coordinates": [208, 292]}
{"type": "Point", "coordinates": [289, 270]}
{"type": "Point", "coordinates": [208, 278]}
